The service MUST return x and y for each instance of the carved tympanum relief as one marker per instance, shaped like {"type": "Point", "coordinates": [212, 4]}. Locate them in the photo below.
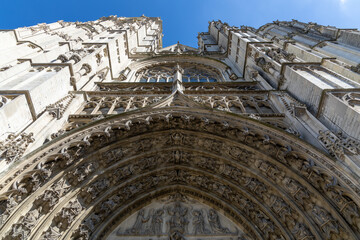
{"type": "Point", "coordinates": [176, 217]}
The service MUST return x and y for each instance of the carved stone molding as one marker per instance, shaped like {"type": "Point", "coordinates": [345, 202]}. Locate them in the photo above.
{"type": "Point", "coordinates": [292, 191]}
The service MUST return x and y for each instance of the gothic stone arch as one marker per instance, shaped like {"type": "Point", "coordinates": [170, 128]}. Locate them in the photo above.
{"type": "Point", "coordinates": [224, 71]}
{"type": "Point", "coordinates": [261, 181]}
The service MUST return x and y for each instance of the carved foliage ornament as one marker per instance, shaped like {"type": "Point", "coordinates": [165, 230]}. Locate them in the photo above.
{"type": "Point", "coordinates": [338, 144]}
{"type": "Point", "coordinates": [80, 146]}
{"type": "Point", "coordinates": [14, 146]}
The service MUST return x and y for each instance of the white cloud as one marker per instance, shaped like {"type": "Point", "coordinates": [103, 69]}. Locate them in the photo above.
{"type": "Point", "coordinates": [343, 1]}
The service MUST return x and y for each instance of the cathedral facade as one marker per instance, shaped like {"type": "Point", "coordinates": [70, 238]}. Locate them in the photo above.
{"type": "Point", "coordinates": [106, 134]}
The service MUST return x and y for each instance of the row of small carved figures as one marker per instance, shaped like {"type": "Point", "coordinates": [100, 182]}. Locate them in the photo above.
{"type": "Point", "coordinates": [179, 220]}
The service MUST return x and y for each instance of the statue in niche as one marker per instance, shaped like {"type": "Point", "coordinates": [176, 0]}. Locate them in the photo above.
{"type": "Point", "coordinates": [138, 227]}
{"type": "Point", "coordinates": [199, 222]}
{"type": "Point", "coordinates": [178, 219]}
{"type": "Point", "coordinates": [156, 222]}
{"type": "Point", "coordinates": [215, 224]}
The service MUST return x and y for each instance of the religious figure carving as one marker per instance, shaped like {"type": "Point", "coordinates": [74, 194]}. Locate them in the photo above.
{"type": "Point", "coordinates": [296, 190]}
{"type": "Point", "coordinates": [326, 222]}
{"type": "Point", "coordinates": [178, 220]}
{"type": "Point", "coordinates": [81, 172]}
{"type": "Point", "coordinates": [301, 231]}
{"type": "Point", "coordinates": [68, 214]}
{"type": "Point", "coordinates": [157, 222]}
{"type": "Point", "coordinates": [6, 207]}
{"type": "Point", "coordinates": [139, 225]}
{"type": "Point", "coordinates": [177, 138]}
{"type": "Point", "coordinates": [199, 222]}
{"type": "Point", "coordinates": [52, 234]}
{"type": "Point", "coordinates": [215, 224]}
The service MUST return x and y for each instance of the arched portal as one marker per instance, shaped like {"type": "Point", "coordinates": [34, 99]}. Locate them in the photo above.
{"type": "Point", "coordinates": [182, 166]}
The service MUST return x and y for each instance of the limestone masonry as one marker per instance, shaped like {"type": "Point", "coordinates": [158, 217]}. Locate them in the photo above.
{"type": "Point", "coordinates": [106, 134]}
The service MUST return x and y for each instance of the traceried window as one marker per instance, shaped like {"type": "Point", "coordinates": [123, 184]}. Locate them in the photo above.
{"type": "Point", "coordinates": [190, 73]}
{"type": "Point", "coordinates": [157, 74]}
{"type": "Point", "coordinates": [195, 74]}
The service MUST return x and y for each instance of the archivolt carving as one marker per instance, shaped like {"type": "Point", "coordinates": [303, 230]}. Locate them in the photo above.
{"type": "Point", "coordinates": [89, 179]}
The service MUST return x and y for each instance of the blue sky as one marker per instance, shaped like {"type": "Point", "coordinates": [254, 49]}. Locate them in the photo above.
{"type": "Point", "coordinates": [182, 20]}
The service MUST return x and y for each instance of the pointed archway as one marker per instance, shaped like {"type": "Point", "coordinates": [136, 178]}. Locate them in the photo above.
{"type": "Point", "coordinates": [267, 183]}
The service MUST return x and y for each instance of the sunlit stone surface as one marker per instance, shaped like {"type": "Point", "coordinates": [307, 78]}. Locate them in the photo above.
{"type": "Point", "coordinates": [106, 134]}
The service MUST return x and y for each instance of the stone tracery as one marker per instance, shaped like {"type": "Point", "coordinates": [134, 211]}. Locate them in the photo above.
{"type": "Point", "coordinates": [191, 72]}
